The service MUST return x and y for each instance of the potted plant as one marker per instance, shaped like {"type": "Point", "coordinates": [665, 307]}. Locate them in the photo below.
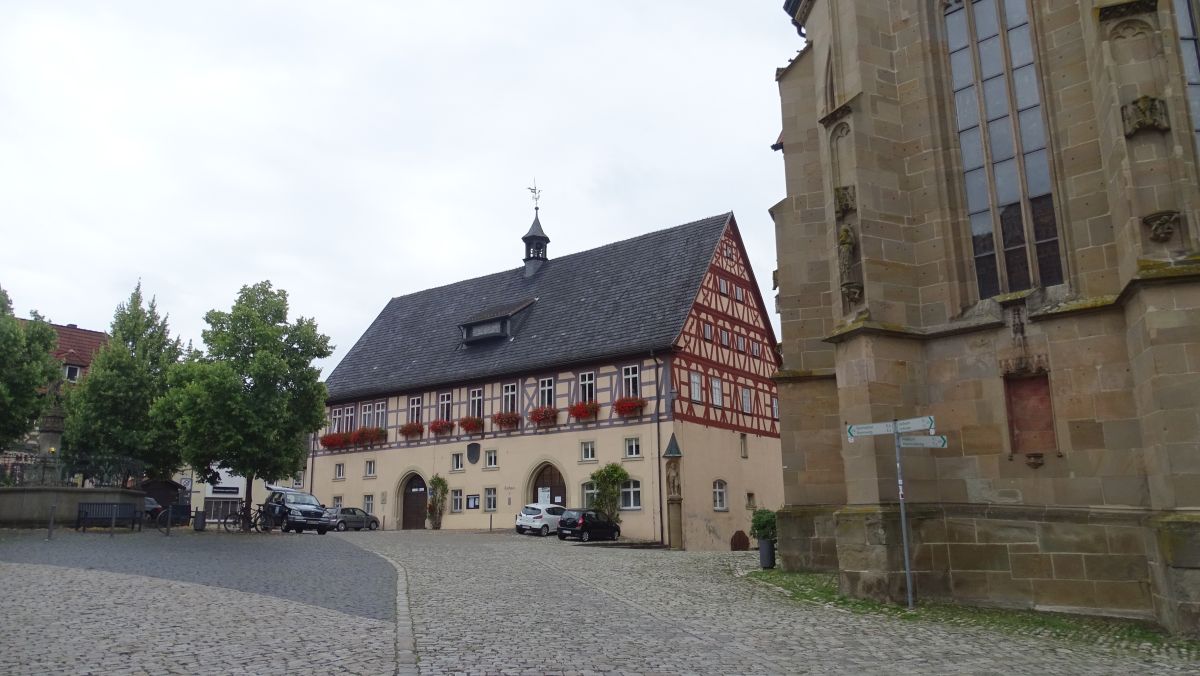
{"type": "Point", "coordinates": [627, 406]}
{"type": "Point", "coordinates": [367, 436]}
{"type": "Point", "coordinates": [506, 419]}
{"type": "Point", "coordinates": [412, 429]}
{"type": "Point", "coordinates": [581, 410]}
{"type": "Point", "coordinates": [441, 426]}
{"type": "Point", "coordinates": [335, 440]}
{"type": "Point", "coordinates": [438, 489]}
{"type": "Point", "coordinates": [762, 526]}
{"type": "Point", "coordinates": [543, 415]}
{"type": "Point", "coordinates": [471, 424]}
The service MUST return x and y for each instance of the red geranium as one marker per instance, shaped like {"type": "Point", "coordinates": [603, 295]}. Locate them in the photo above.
{"type": "Point", "coordinates": [543, 415]}
{"type": "Point", "coordinates": [584, 409]}
{"type": "Point", "coordinates": [471, 424]}
{"type": "Point", "coordinates": [412, 429]}
{"type": "Point", "coordinates": [506, 419]}
{"type": "Point", "coordinates": [441, 426]}
{"type": "Point", "coordinates": [335, 440]}
{"type": "Point", "coordinates": [629, 406]}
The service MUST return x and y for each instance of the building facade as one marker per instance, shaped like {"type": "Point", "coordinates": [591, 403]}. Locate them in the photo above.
{"type": "Point", "coordinates": [991, 218]}
{"type": "Point", "coordinates": [654, 353]}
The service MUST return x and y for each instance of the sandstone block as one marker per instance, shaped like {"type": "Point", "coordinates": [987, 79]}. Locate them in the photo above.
{"type": "Point", "coordinates": [978, 557]}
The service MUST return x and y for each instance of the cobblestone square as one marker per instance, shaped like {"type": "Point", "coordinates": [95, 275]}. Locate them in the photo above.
{"type": "Point", "coordinates": [444, 603]}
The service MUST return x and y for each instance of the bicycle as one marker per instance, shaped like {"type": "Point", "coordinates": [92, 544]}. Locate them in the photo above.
{"type": "Point", "coordinates": [160, 521]}
{"type": "Point", "coordinates": [257, 520]}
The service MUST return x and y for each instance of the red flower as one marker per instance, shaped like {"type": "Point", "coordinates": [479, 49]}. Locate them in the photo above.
{"type": "Point", "coordinates": [543, 415]}
{"type": "Point", "coordinates": [441, 426]}
{"type": "Point", "coordinates": [584, 409]}
{"type": "Point", "coordinates": [412, 429]}
{"type": "Point", "coordinates": [471, 424]}
{"type": "Point", "coordinates": [628, 406]}
{"type": "Point", "coordinates": [335, 440]}
{"type": "Point", "coordinates": [506, 419]}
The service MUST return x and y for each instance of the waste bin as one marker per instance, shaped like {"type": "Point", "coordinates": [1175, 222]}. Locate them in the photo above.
{"type": "Point", "coordinates": [198, 519]}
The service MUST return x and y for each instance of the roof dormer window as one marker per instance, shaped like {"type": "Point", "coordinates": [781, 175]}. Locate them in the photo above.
{"type": "Point", "coordinates": [488, 329]}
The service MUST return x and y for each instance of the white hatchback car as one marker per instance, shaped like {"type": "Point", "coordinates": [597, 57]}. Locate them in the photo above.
{"type": "Point", "coordinates": [539, 518]}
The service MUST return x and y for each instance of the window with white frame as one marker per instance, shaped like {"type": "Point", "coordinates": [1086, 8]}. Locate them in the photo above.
{"type": "Point", "coordinates": [369, 468]}
{"type": "Point", "coordinates": [725, 337]}
{"type": "Point", "coordinates": [476, 402]}
{"type": "Point", "coordinates": [348, 419]}
{"type": "Point", "coordinates": [337, 501]}
{"type": "Point", "coordinates": [587, 386]}
{"type": "Point", "coordinates": [631, 494]}
{"type": "Point", "coordinates": [741, 343]}
{"type": "Point", "coordinates": [631, 381]}
{"type": "Point", "coordinates": [369, 503]}
{"type": "Point", "coordinates": [546, 392]}
{"type": "Point", "coordinates": [1185, 18]}
{"type": "Point", "coordinates": [746, 399]}
{"type": "Point", "coordinates": [335, 425]}
{"type": "Point", "coordinates": [587, 451]}
{"type": "Point", "coordinates": [1002, 139]}
{"type": "Point", "coordinates": [456, 500]}
{"type": "Point", "coordinates": [708, 331]}
{"type": "Point", "coordinates": [415, 404]}
{"type": "Point", "coordinates": [755, 348]}
{"type": "Point", "coordinates": [717, 397]}
{"type": "Point", "coordinates": [490, 460]}
{"type": "Point", "coordinates": [71, 373]}
{"type": "Point", "coordinates": [445, 406]}
{"type": "Point", "coordinates": [298, 480]}
{"type": "Point", "coordinates": [723, 285]}
{"type": "Point", "coordinates": [366, 415]}
{"type": "Point", "coordinates": [339, 470]}
{"type": "Point", "coordinates": [508, 399]}
{"type": "Point", "coordinates": [381, 414]}
{"type": "Point", "coordinates": [720, 490]}
{"type": "Point", "coordinates": [633, 447]}
{"type": "Point", "coordinates": [738, 294]}
{"type": "Point", "coordinates": [589, 494]}
{"type": "Point", "coordinates": [696, 385]}
{"type": "Point", "coordinates": [775, 407]}
{"type": "Point", "coordinates": [456, 462]}
{"type": "Point", "coordinates": [489, 499]}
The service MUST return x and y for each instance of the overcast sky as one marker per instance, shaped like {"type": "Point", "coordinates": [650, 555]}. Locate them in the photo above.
{"type": "Point", "coordinates": [354, 151]}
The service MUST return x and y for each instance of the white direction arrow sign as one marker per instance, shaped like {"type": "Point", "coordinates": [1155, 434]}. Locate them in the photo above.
{"type": "Point", "coordinates": [935, 441]}
{"type": "Point", "coordinates": [915, 424]}
{"type": "Point", "coordinates": [869, 430]}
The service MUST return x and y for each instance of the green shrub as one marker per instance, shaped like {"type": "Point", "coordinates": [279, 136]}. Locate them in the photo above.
{"type": "Point", "coordinates": [762, 524]}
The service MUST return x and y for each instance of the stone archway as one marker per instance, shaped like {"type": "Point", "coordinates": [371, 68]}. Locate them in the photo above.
{"type": "Point", "coordinates": [412, 499]}
{"type": "Point", "coordinates": [548, 479]}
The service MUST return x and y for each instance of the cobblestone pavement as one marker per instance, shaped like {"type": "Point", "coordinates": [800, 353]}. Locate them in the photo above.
{"type": "Point", "coordinates": [520, 604]}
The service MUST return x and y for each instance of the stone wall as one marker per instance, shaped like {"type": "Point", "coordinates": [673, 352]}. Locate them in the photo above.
{"type": "Point", "coordinates": [30, 507]}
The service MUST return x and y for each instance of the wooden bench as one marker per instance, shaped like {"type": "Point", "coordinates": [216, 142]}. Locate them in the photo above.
{"type": "Point", "coordinates": [103, 513]}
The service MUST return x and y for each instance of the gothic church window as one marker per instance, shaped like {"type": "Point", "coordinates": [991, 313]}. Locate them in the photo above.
{"type": "Point", "coordinates": [1002, 138]}
{"type": "Point", "coordinates": [1186, 13]}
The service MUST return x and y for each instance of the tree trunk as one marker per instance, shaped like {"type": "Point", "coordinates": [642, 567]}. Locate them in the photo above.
{"type": "Point", "coordinates": [249, 502]}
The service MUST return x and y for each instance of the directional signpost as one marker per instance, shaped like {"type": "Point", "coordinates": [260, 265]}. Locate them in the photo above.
{"type": "Point", "coordinates": [896, 428]}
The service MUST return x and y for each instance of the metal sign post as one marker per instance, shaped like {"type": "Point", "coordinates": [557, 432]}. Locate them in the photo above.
{"type": "Point", "coordinates": [895, 428]}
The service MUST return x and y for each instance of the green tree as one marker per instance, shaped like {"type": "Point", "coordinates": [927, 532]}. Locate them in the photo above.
{"type": "Point", "coordinates": [438, 490]}
{"type": "Point", "coordinates": [608, 480]}
{"type": "Point", "coordinates": [27, 371]}
{"type": "Point", "coordinates": [110, 421]}
{"type": "Point", "coordinates": [248, 404]}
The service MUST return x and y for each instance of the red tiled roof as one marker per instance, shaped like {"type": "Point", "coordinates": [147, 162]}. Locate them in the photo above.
{"type": "Point", "coordinates": [76, 346]}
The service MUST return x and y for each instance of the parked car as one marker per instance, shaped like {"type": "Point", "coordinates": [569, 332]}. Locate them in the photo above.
{"type": "Point", "coordinates": [341, 518]}
{"type": "Point", "coordinates": [295, 510]}
{"type": "Point", "coordinates": [539, 518]}
{"type": "Point", "coordinates": [151, 508]}
{"type": "Point", "coordinates": [587, 524]}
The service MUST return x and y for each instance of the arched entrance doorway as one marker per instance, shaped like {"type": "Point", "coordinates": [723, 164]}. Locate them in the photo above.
{"type": "Point", "coordinates": [413, 505]}
{"type": "Point", "coordinates": [548, 486]}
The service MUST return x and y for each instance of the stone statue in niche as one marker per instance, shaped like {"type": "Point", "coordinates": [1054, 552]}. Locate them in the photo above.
{"type": "Point", "coordinates": [1162, 225]}
{"type": "Point", "coordinates": [844, 200]}
{"type": "Point", "coordinates": [1145, 112]}
{"type": "Point", "coordinates": [847, 244]}
{"type": "Point", "coordinates": [673, 488]}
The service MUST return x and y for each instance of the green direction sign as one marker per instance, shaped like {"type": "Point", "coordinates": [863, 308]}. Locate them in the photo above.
{"type": "Point", "coordinates": [927, 441]}
{"type": "Point", "coordinates": [915, 424]}
{"type": "Point", "coordinates": [869, 430]}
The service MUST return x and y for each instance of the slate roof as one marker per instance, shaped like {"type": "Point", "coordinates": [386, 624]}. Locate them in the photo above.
{"type": "Point", "coordinates": [620, 299]}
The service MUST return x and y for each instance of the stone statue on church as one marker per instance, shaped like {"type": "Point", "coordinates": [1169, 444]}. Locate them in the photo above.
{"type": "Point", "coordinates": [673, 489]}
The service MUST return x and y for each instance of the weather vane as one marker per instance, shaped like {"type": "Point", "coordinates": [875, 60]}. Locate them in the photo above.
{"type": "Point", "coordinates": [537, 194]}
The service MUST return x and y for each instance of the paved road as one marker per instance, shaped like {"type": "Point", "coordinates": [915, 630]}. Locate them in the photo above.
{"type": "Point", "coordinates": [454, 603]}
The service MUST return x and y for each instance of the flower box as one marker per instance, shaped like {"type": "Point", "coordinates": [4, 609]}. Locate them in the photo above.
{"type": "Point", "coordinates": [584, 409]}
{"type": "Point", "coordinates": [544, 415]}
{"type": "Point", "coordinates": [441, 426]}
{"type": "Point", "coordinates": [367, 436]}
{"type": "Point", "coordinates": [412, 429]}
{"type": "Point", "coordinates": [629, 406]}
{"type": "Point", "coordinates": [335, 440]}
{"type": "Point", "coordinates": [471, 424]}
{"type": "Point", "coordinates": [506, 419]}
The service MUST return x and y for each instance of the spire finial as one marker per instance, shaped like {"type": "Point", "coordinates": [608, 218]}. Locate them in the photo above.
{"type": "Point", "coordinates": [537, 194]}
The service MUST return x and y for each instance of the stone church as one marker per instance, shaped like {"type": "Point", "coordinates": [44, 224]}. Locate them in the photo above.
{"type": "Point", "coordinates": [991, 218]}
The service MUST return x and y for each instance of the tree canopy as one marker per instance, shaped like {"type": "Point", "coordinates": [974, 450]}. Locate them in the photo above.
{"type": "Point", "coordinates": [110, 420]}
{"type": "Point", "coordinates": [27, 371]}
{"type": "Point", "coordinates": [608, 480]}
{"type": "Point", "coordinates": [248, 403]}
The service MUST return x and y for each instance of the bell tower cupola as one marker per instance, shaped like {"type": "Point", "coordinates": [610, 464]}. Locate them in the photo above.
{"type": "Point", "coordinates": [535, 240]}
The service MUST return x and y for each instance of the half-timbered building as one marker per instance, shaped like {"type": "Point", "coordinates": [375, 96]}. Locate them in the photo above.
{"type": "Point", "coordinates": [653, 352]}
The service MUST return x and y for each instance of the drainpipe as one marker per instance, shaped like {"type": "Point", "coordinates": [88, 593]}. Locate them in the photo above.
{"type": "Point", "coordinates": [662, 514]}
{"type": "Point", "coordinates": [312, 459]}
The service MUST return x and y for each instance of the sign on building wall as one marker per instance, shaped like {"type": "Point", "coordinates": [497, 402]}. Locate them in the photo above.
{"type": "Point", "coordinates": [472, 502]}
{"type": "Point", "coordinates": [544, 496]}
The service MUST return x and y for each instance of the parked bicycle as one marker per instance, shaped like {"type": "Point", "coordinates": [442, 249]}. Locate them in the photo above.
{"type": "Point", "coordinates": [239, 521]}
{"type": "Point", "coordinates": [165, 514]}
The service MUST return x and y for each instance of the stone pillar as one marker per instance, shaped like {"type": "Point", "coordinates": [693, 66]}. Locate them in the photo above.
{"type": "Point", "coordinates": [675, 521]}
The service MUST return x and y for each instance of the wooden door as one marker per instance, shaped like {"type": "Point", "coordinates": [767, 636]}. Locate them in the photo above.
{"type": "Point", "coordinates": [415, 501]}
{"type": "Point", "coordinates": [549, 477]}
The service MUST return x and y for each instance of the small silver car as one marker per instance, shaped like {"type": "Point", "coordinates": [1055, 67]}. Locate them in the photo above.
{"type": "Point", "coordinates": [539, 518]}
{"type": "Point", "coordinates": [342, 518]}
